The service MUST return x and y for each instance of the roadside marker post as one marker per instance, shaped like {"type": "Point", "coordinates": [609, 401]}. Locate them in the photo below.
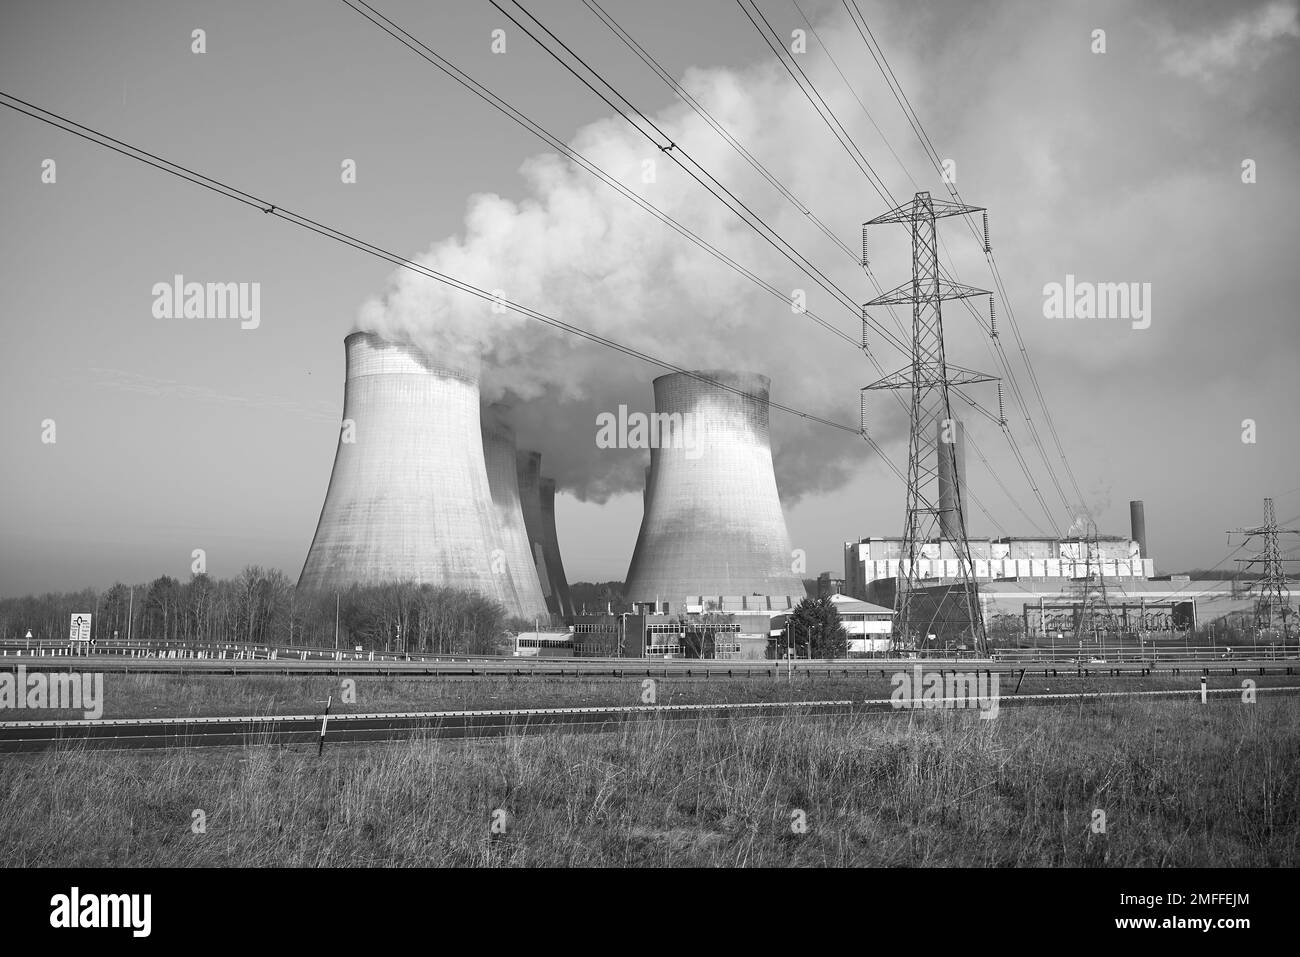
{"type": "Point", "coordinates": [325, 720]}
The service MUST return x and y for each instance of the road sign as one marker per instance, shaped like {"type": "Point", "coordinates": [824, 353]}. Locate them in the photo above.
{"type": "Point", "coordinates": [80, 628]}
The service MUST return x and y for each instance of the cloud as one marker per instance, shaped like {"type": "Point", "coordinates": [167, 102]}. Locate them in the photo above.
{"type": "Point", "coordinates": [576, 250]}
{"type": "Point", "coordinates": [1245, 41]}
{"type": "Point", "coordinates": [1107, 167]}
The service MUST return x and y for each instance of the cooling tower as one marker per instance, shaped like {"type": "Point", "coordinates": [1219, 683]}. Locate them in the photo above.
{"type": "Point", "coordinates": [530, 497]}
{"type": "Point", "coordinates": [409, 497]}
{"type": "Point", "coordinates": [517, 558]}
{"type": "Point", "coordinates": [551, 549]}
{"type": "Point", "coordinates": [713, 523]}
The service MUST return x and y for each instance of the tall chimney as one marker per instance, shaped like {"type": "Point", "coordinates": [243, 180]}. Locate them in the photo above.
{"type": "Point", "coordinates": [713, 523]}
{"type": "Point", "coordinates": [950, 444]}
{"type": "Point", "coordinates": [409, 498]}
{"type": "Point", "coordinates": [1138, 523]}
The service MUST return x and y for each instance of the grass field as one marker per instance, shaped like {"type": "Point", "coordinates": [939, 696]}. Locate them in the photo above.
{"type": "Point", "coordinates": [154, 696]}
{"type": "Point", "coordinates": [1180, 784]}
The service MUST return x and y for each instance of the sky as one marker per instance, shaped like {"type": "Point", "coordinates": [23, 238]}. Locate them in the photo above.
{"type": "Point", "coordinates": [174, 434]}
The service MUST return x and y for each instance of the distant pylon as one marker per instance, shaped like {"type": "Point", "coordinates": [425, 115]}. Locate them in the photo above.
{"type": "Point", "coordinates": [1272, 590]}
{"type": "Point", "coordinates": [928, 379]}
{"type": "Point", "coordinates": [1094, 612]}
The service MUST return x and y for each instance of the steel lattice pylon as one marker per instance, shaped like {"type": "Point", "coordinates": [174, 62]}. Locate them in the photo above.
{"type": "Point", "coordinates": [1090, 591]}
{"type": "Point", "coordinates": [1272, 590]}
{"type": "Point", "coordinates": [928, 379]}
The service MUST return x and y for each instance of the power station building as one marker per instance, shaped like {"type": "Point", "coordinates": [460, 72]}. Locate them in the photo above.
{"type": "Point", "coordinates": [871, 565]}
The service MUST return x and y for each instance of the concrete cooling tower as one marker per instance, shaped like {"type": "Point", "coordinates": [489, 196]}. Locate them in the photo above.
{"type": "Point", "coordinates": [500, 457]}
{"type": "Point", "coordinates": [409, 497]}
{"type": "Point", "coordinates": [551, 548]}
{"type": "Point", "coordinates": [713, 523]}
{"type": "Point", "coordinates": [539, 522]}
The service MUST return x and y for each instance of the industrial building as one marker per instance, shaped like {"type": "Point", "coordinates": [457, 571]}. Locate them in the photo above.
{"type": "Point", "coordinates": [1033, 588]}
{"type": "Point", "coordinates": [738, 628]}
{"type": "Point", "coordinates": [734, 634]}
{"type": "Point", "coordinates": [871, 565]}
{"type": "Point", "coordinates": [869, 626]}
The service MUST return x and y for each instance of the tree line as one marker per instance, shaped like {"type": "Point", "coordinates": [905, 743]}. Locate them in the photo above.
{"type": "Point", "coordinates": [262, 606]}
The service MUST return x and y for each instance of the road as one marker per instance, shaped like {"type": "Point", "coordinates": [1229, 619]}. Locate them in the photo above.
{"type": "Point", "coordinates": [628, 667]}
{"type": "Point", "coordinates": [300, 730]}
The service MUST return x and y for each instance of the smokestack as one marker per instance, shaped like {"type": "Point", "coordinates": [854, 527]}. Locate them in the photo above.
{"type": "Point", "coordinates": [517, 561]}
{"type": "Point", "coordinates": [713, 523]}
{"type": "Point", "coordinates": [408, 499]}
{"type": "Point", "coordinates": [950, 444]}
{"type": "Point", "coordinates": [1138, 523]}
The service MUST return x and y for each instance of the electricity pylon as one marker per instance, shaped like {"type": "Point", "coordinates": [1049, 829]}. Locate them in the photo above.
{"type": "Point", "coordinates": [928, 378]}
{"type": "Point", "coordinates": [1272, 590]}
{"type": "Point", "coordinates": [1090, 591]}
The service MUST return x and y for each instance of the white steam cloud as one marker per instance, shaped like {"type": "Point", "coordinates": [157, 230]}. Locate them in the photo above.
{"type": "Point", "coordinates": [576, 250]}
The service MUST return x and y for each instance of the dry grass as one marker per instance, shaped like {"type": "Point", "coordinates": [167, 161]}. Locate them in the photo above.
{"type": "Point", "coordinates": [1181, 784]}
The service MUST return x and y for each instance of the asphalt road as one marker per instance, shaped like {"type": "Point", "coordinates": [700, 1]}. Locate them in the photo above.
{"type": "Point", "coordinates": [627, 667]}
{"type": "Point", "coordinates": [306, 730]}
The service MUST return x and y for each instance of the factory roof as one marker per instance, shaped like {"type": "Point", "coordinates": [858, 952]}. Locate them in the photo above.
{"type": "Point", "coordinates": [1001, 538]}
{"type": "Point", "coordinates": [846, 605]}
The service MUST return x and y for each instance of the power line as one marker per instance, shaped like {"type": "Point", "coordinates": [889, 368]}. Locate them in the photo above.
{"type": "Point", "coordinates": [914, 120]}
{"type": "Point", "coordinates": [818, 103]}
{"type": "Point", "coordinates": [407, 39]}
{"type": "Point", "coordinates": [838, 130]}
{"type": "Point", "coordinates": [995, 345]}
{"type": "Point", "coordinates": [248, 199]}
{"type": "Point", "coordinates": [849, 87]}
{"type": "Point", "coordinates": [648, 59]}
{"type": "Point", "coordinates": [756, 222]}
{"type": "Point", "coordinates": [673, 150]}
{"type": "Point", "coordinates": [504, 107]}
{"type": "Point", "coordinates": [845, 139]}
